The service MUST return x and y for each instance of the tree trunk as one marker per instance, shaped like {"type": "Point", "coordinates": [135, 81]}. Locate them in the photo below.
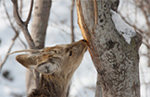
{"type": "Point", "coordinates": [116, 61]}
{"type": "Point", "coordinates": [38, 33]}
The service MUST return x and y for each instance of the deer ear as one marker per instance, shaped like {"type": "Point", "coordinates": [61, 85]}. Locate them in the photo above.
{"type": "Point", "coordinates": [48, 66]}
{"type": "Point", "coordinates": [27, 60]}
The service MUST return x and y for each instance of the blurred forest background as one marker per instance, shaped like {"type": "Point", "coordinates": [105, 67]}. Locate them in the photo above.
{"type": "Point", "coordinates": [62, 29]}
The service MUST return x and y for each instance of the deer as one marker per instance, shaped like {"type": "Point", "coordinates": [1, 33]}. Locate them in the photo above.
{"type": "Point", "coordinates": [56, 65]}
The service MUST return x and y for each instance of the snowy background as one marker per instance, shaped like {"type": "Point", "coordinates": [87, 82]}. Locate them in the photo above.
{"type": "Point", "coordinates": [12, 75]}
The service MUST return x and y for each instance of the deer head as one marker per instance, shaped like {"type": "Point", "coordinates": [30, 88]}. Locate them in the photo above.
{"type": "Point", "coordinates": [60, 59]}
{"type": "Point", "coordinates": [56, 64]}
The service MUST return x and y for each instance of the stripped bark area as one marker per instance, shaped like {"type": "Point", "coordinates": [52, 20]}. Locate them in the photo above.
{"type": "Point", "coordinates": [116, 61]}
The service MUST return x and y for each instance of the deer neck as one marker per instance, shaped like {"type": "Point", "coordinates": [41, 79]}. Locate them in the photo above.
{"type": "Point", "coordinates": [51, 86]}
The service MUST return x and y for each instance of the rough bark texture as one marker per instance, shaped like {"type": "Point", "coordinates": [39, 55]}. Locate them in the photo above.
{"type": "Point", "coordinates": [116, 61]}
{"type": "Point", "coordinates": [38, 32]}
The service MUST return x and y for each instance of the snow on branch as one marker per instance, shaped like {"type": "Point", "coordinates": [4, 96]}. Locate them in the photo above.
{"type": "Point", "coordinates": [123, 28]}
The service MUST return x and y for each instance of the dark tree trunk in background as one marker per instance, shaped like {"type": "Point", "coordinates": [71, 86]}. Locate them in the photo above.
{"type": "Point", "coordinates": [38, 33]}
{"type": "Point", "coordinates": [116, 61]}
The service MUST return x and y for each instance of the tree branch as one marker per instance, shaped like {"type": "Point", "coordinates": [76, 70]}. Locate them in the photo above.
{"type": "Point", "coordinates": [25, 46]}
{"type": "Point", "coordinates": [21, 6]}
{"type": "Point", "coordinates": [16, 14]}
{"type": "Point", "coordinates": [12, 26]}
{"type": "Point", "coordinates": [72, 25]}
{"type": "Point", "coordinates": [22, 24]}
{"type": "Point", "coordinates": [30, 12]}
{"type": "Point", "coordinates": [38, 33]}
{"type": "Point", "coordinates": [135, 28]}
{"type": "Point", "coordinates": [13, 41]}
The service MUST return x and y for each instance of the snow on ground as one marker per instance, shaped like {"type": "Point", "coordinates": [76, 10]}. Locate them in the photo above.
{"type": "Point", "coordinates": [58, 32]}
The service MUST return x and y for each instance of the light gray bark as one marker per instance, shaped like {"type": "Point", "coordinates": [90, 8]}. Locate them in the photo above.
{"type": "Point", "coordinates": [116, 61]}
{"type": "Point", "coordinates": [40, 22]}
{"type": "Point", "coordinates": [38, 33]}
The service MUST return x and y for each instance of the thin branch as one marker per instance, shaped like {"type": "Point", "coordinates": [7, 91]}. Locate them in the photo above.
{"type": "Point", "coordinates": [16, 14]}
{"type": "Point", "coordinates": [25, 46]}
{"type": "Point", "coordinates": [145, 15]}
{"type": "Point", "coordinates": [13, 41]}
{"type": "Point", "coordinates": [21, 7]}
{"type": "Point", "coordinates": [55, 25]}
{"type": "Point", "coordinates": [12, 26]}
{"type": "Point", "coordinates": [8, 16]}
{"type": "Point", "coordinates": [30, 12]}
{"type": "Point", "coordinates": [72, 22]}
{"type": "Point", "coordinates": [135, 28]}
{"type": "Point", "coordinates": [23, 25]}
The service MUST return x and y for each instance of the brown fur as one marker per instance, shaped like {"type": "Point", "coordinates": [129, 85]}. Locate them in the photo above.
{"type": "Point", "coordinates": [57, 65]}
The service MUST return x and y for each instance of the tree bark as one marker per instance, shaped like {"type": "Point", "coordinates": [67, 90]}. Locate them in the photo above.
{"type": "Point", "coordinates": [116, 61]}
{"type": "Point", "coordinates": [38, 33]}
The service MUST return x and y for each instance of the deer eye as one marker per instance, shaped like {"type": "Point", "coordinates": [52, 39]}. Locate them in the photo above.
{"type": "Point", "coordinates": [70, 53]}
{"type": "Point", "coordinates": [53, 51]}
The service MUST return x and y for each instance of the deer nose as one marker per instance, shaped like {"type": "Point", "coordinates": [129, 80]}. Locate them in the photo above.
{"type": "Point", "coordinates": [84, 40]}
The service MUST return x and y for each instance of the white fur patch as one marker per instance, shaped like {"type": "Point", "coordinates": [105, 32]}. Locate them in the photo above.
{"type": "Point", "coordinates": [47, 68]}
{"type": "Point", "coordinates": [32, 66]}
